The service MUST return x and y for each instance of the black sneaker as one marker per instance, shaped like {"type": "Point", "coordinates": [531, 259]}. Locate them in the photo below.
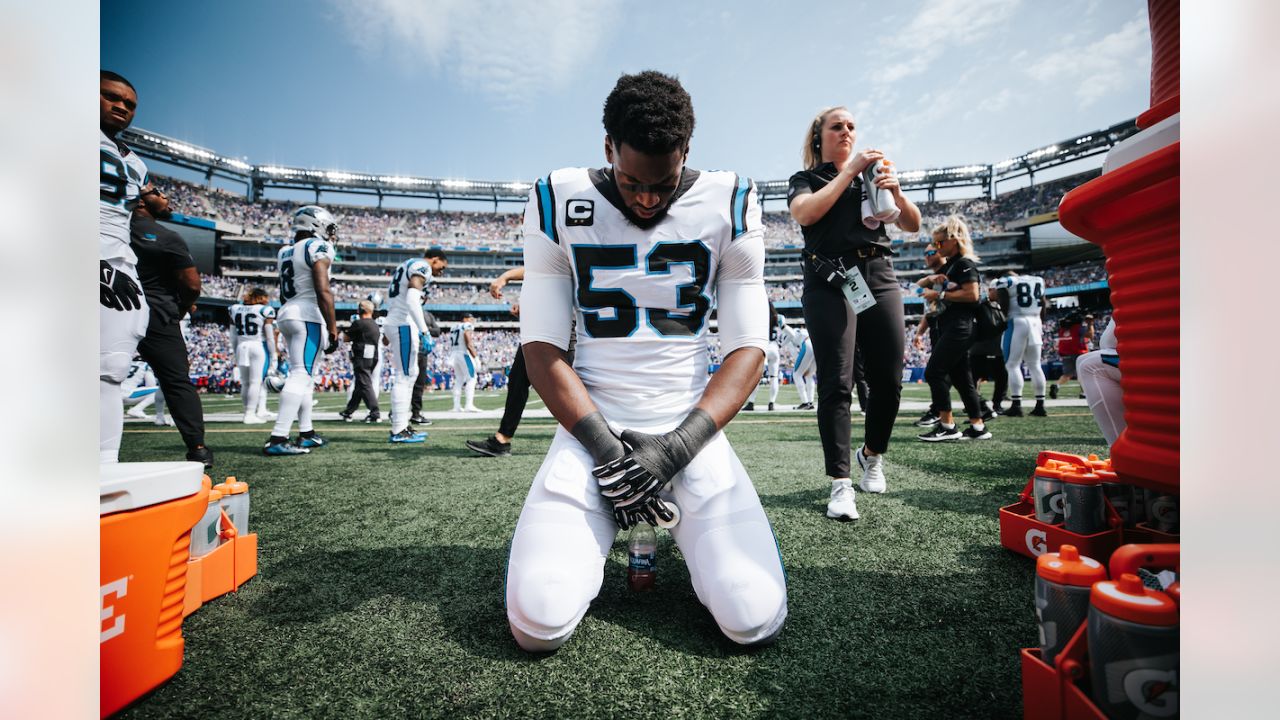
{"type": "Point", "coordinates": [928, 419]}
{"type": "Point", "coordinates": [201, 455]}
{"type": "Point", "coordinates": [346, 416]}
{"type": "Point", "coordinates": [940, 433]}
{"type": "Point", "coordinates": [1014, 410]}
{"type": "Point", "coordinates": [1053, 391]}
{"type": "Point", "coordinates": [749, 407]}
{"type": "Point", "coordinates": [987, 412]}
{"type": "Point", "coordinates": [972, 434]}
{"type": "Point", "coordinates": [417, 419]}
{"type": "Point", "coordinates": [372, 418]}
{"type": "Point", "coordinates": [770, 406]}
{"type": "Point", "coordinates": [1039, 411]}
{"type": "Point", "coordinates": [490, 447]}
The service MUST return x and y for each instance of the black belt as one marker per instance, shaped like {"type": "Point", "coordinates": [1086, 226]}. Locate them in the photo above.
{"type": "Point", "coordinates": [868, 252]}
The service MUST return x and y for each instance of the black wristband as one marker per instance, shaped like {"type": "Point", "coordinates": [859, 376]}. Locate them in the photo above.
{"type": "Point", "coordinates": [594, 434]}
{"type": "Point", "coordinates": [690, 436]}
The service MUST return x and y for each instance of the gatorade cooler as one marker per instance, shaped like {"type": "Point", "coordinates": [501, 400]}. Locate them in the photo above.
{"type": "Point", "coordinates": [1131, 212]}
{"type": "Point", "coordinates": [146, 514]}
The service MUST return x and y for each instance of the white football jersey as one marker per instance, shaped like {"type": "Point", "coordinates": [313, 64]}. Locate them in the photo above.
{"type": "Point", "coordinates": [456, 337]}
{"type": "Point", "coordinates": [123, 175]}
{"type": "Point", "coordinates": [789, 336]}
{"type": "Point", "coordinates": [250, 320]}
{"type": "Point", "coordinates": [297, 287]}
{"type": "Point", "coordinates": [1025, 294]}
{"type": "Point", "coordinates": [402, 308]}
{"type": "Point", "coordinates": [642, 296]}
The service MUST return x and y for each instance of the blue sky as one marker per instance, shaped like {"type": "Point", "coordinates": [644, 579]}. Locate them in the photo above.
{"type": "Point", "coordinates": [488, 90]}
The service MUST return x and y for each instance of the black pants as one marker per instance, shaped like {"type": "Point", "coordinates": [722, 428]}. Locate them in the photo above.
{"type": "Point", "coordinates": [166, 351]}
{"type": "Point", "coordinates": [419, 384]}
{"type": "Point", "coordinates": [364, 388]}
{"type": "Point", "coordinates": [517, 395]}
{"type": "Point", "coordinates": [834, 328]}
{"type": "Point", "coordinates": [949, 365]}
{"type": "Point", "coordinates": [860, 377]}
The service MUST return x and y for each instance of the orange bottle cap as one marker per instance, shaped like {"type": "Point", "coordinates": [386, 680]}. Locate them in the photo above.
{"type": "Point", "coordinates": [1107, 476]}
{"type": "Point", "coordinates": [231, 486]}
{"type": "Point", "coordinates": [215, 495]}
{"type": "Point", "coordinates": [1128, 599]}
{"type": "Point", "coordinates": [1069, 567]}
{"type": "Point", "coordinates": [1080, 476]}
{"type": "Point", "coordinates": [1049, 471]}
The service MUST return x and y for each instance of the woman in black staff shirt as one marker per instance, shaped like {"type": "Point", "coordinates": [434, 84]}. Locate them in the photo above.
{"type": "Point", "coordinates": [826, 200]}
{"type": "Point", "coordinates": [949, 363]}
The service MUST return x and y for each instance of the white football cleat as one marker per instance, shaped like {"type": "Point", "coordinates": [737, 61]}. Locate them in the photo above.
{"type": "Point", "coordinates": [872, 472]}
{"type": "Point", "coordinates": [472, 408]}
{"type": "Point", "coordinates": [251, 419]}
{"type": "Point", "coordinates": [137, 412]}
{"type": "Point", "coordinates": [842, 506]}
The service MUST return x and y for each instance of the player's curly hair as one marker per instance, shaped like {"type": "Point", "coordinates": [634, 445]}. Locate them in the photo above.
{"type": "Point", "coordinates": [651, 112]}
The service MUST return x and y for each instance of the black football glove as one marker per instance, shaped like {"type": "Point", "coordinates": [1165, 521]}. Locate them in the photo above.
{"type": "Point", "coordinates": [117, 290]}
{"type": "Point", "coordinates": [333, 345]}
{"type": "Point", "coordinates": [652, 510]}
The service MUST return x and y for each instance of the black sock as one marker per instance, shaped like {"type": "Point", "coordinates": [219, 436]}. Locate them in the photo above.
{"type": "Point", "coordinates": [276, 440]}
{"type": "Point", "coordinates": [307, 434]}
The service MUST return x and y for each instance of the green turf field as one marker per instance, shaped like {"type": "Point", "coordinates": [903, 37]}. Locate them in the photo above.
{"type": "Point", "coordinates": [380, 584]}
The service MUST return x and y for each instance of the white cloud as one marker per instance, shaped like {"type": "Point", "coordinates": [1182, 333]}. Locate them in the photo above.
{"type": "Point", "coordinates": [510, 52]}
{"type": "Point", "coordinates": [939, 26]}
{"type": "Point", "coordinates": [1100, 68]}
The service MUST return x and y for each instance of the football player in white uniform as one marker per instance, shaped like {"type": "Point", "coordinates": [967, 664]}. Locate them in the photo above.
{"type": "Point", "coordinates": [1024, 303]}
{"type": "Point", "coordinates": [139, 389]}
{"type": "Point", "coordinates": [804, 371]}
{"type": "Point", "coordinates": [640, 252]}
{"type": "Point", "coordinates": [466, 364]}
{"type": "Point", "coordinates": [1099, 373]}
{"type": "Point", "coordinates": [253, 337]}
{"type": "Point", "coordinates": [772, 358]}
{"type": "Point", "coordinates": [404, 331]}
{"type": "Point", "coordinates": [303, 321]}
{"type": "Point", "coordinates": [123, 312]}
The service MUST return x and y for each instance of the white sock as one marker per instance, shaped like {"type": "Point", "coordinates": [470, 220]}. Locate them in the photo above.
{"type": "Point", "coordinates": [292, 398]}
{"type": "Point", "coordinates": [304, 410]}
{"type": "Point", "coordinates": [401, 399]}
{"type": "Point", "coordinates": [773, 389]}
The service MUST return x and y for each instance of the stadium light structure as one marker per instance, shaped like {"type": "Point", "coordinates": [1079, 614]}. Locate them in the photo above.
{"type": "Point", "coordinates": [261, 177]}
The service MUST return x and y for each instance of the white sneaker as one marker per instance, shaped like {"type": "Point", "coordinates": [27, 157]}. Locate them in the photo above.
{"type": "Point", "coordinates": [842, 506]}
{"type": "Point", "coordinates": [472, 408]}
{"type": "Point", "coordinates": [251, 419]}
{"type": "Point", "coordinates": [267, 415]}
{"type": "Point", "coordinates": [164, 421]}
{"type": "Point", "coordinates": [137, 412]}
{"type": "Point", "coordinates": [872, 472]}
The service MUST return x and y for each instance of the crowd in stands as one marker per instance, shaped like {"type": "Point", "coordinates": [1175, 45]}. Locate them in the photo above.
{"type": "Point", "coordinates": [450, 228]}
{"type": "Point", "coordinates": [1076, 274]}
{"type": "Point", "coordinates": [1039, 198]}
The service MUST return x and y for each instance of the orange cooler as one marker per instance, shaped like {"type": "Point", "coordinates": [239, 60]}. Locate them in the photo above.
{"type": "Point", "coordinates": [146, 514]}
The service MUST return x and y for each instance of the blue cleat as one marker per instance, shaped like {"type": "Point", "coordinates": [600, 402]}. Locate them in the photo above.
{"type": "Point", "coordinates": [283, 448]}
{"type": "Point", "coordinates": [407, 436]}
{"type": "Point", "coordinates": [311, 441]}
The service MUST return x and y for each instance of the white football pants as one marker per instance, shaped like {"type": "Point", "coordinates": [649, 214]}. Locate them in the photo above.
{"type": "Point", "coordinates": [1021, 343]}
{"type": "Point", "coordinates": [119, 333]}
{"type": "Point", "coordinates": [464, 381]}
{"type": "Point", "coordinates": [251, 359]}
{"type": "Point", "coordinates": [404, 371]}
{"type": "Point", "coordinates": [303, 340]}
{"type": "Point", "coordinates": [566, 529]}
{"type": "Point", "coordinates": [771, 358]}
{"type": "Point", "coordinates": [1099, 377]}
